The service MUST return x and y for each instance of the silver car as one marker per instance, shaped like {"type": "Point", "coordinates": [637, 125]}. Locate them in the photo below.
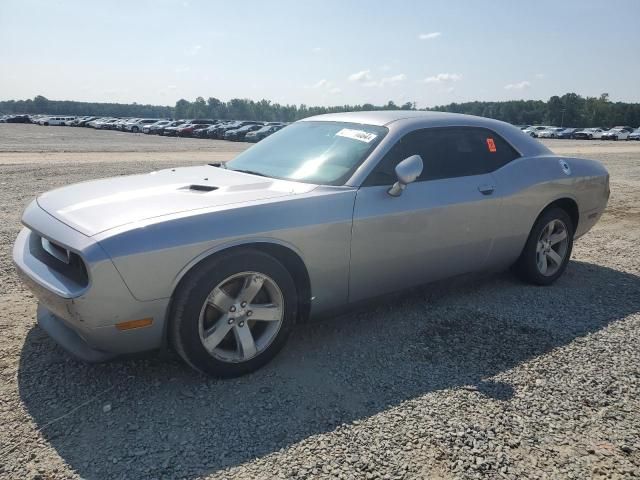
{"type": "Point", "coordinates": [220, 261]}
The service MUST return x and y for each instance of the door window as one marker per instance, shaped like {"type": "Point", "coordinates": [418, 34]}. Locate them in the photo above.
{"type": "Point", "coordinates": [446, 153]}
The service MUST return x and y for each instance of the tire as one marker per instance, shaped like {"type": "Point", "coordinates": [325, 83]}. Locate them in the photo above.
{"type": "Point", "coordinates": [528, 266]}
{"type": "Point", "coordinates": [197, 316]}
{"type": "Point", "coordinates": [135, 129]}
{"type": "Point", "coordinates": [590, 137]}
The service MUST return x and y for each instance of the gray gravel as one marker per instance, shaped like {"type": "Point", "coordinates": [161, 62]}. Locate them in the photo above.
{"type": "Point", "coordinates": [479, 377]}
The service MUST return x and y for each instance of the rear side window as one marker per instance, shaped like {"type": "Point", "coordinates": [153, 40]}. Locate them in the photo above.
{"type": "Point", "coordinates": [447, 152]}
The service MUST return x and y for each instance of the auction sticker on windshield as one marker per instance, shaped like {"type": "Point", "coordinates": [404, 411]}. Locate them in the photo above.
{"type": "Point", "coordinates": [360, 135]}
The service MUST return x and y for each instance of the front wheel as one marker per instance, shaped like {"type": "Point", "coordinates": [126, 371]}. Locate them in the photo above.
{"type": "Point", "coordinates": [233, 313]}
{"type": "Point", "coordinates": [548, 248]}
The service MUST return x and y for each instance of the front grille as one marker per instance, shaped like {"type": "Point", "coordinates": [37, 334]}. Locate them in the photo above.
{"type": "Point", "coordinates": [60, 259]}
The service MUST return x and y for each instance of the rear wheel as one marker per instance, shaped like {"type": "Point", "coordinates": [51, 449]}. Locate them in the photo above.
{"type": "Point", "coordinates": [234, 313]}
{"type": "Point", "coordinates": [548, 248]}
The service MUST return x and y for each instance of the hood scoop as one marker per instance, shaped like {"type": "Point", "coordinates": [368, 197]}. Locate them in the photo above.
{"type": "Point", "coordinates": [199, 188]}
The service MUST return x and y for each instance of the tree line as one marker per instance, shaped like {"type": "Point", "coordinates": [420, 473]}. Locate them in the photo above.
{"type": "Point", "coordinates": [569, 110]}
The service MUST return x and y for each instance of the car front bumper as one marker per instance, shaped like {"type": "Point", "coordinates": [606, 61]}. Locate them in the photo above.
{"type": "Point", "coordinates": [86, 320]}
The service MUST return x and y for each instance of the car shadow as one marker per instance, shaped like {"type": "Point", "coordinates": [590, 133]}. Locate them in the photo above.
{"type": "Point", "coordinates": [154, 417]}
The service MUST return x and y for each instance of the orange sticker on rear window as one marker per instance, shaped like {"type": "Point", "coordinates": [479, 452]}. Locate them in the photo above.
{"type": "Point", "coordinates": [491, 144]}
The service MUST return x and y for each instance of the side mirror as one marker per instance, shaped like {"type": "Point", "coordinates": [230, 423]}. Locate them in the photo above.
{"type": "Point", "coordinates": [407, 171]}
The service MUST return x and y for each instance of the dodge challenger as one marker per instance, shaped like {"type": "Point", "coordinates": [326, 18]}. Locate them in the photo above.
{"type": "Point", "coordinates": [220, 261]}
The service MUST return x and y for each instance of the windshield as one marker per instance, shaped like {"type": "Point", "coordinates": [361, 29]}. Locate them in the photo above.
{"type": "Point", "coordinates": [312, 152]}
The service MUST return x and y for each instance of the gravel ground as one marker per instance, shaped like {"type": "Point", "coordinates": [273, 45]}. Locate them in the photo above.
{"type": "Point", "coordinates": [481, 377]}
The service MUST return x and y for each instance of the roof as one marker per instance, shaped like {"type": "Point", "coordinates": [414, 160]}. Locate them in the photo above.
{"type": "Point", "coordinates": [385, 117]}
{"type": "Point", "coordinates": [401, 120]}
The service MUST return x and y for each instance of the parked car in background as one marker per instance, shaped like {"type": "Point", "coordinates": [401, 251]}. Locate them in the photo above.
{"type": "Point", "coordinates": [80, 121]}
{"type": "Point", "coordinates": [616, 133]}
{"type": "Point", "coordinates": [55, 121]}
{"type": "Point", "coordinates": [189, 129]}
{"type": "Point", "coordinates": [626, 127]}
{"type": "Point", "coordinates": [588, 134]}
{"type": "Point", "coordinates": [222, 262]}
{"type": "Point", "coordinates": [92, 123]}
{"type": "Point", "coordinates": [635, 135]}
{"type": "Point", "coordinates": [160, 129]}
{"type": "Point", "coordinates": [172, 131]}
{"type": "Point", "coordinates": [108, 124]}
{"type": "Point", "coordinates": [83, 121]}
{"type": "Point", "coordinates": [533, 130]}
{"type": "Point", "coordinates": [217, 131]}
{"type": "Point", "coordinates": [551, 132]}
{"type": "Point", "coordinates": [238, 134]}
{"type": "Point", "coordinates": [234, 125]}
{"type": "Point", "coordinates": [566, 133]}
{"type": "Point", "coordinates": [137, 126]}
{"type": "Point", "coordinates": [262, 133]}
{"type": "Point", "coordinates": [16, 119]}
{"type": "Point", "coordinates": [160, 123]}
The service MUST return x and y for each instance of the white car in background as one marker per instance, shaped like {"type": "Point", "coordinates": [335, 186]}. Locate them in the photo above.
{"type": "Point", "coordinates": [127, 121]}
{"type": "Point", "coordinates": [47, 121]}
{"type": "Point", "coordinates": [94, 123]}
{"type": "Point", "coordinates": [551, 132]}
{"type": "Point", "coordinates": [533, 130]}
{"type": "Point", "coordinates": [589, 134]}
{"type": "Point", "coordinates": [106, 123]}
{"type": "Point", "coordinates": [616, 133]}
{"type": "Point", "coordinates": [159, 123]}
{"type": "Point", "coordinates": [139, 125]}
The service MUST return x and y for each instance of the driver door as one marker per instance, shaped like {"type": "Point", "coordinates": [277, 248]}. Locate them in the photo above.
{"type": "Point", "coordinates": [440, 226]}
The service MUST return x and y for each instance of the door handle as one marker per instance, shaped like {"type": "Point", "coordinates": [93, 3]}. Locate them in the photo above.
{"type": "Point", "coordinates": [486, 189]}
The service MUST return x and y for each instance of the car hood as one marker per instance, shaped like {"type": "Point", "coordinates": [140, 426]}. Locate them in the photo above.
{"type": "Point", "coordinates": [96, 206]}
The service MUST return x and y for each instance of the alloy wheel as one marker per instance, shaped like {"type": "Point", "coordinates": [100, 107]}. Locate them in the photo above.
{"type": "Point", "coordinates": [552, 247]}
{"type": "Point", "coordinates": [241, 317]}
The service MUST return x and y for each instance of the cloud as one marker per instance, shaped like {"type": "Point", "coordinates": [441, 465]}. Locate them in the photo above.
{"type": "Point", "coordinates": [193, 50]}
{"type": "Point", "coordinates": [362, 76]}
{"type": "Point", "coordinates": [325, 84]}
{"type": "Point", "coordinates": [401, 77]}
{"type": "Point", "coordinates": [317, 49]}
{"type": "Point", "coordinates": [320, 84]}
{"type": "Point", "coordinates": [429, 36]}
{"type": "Point", "coordinates": [365, 78]}
{"type": "Point", "coordinates": [541, 76]}
{"type": "Point", "coordinates": [444, 78]}
{"type": "Point", "coordinates": [518, 86]}
{"type": "Point", "coordinates": [171, 87]}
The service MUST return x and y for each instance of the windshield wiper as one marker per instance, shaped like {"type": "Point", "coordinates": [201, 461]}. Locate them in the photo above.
{"type": "Point", "coordinates": [251, 172]}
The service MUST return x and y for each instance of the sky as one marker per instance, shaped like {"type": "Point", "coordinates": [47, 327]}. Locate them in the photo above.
{"type": "Point", "coordinates": [318, 52]}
